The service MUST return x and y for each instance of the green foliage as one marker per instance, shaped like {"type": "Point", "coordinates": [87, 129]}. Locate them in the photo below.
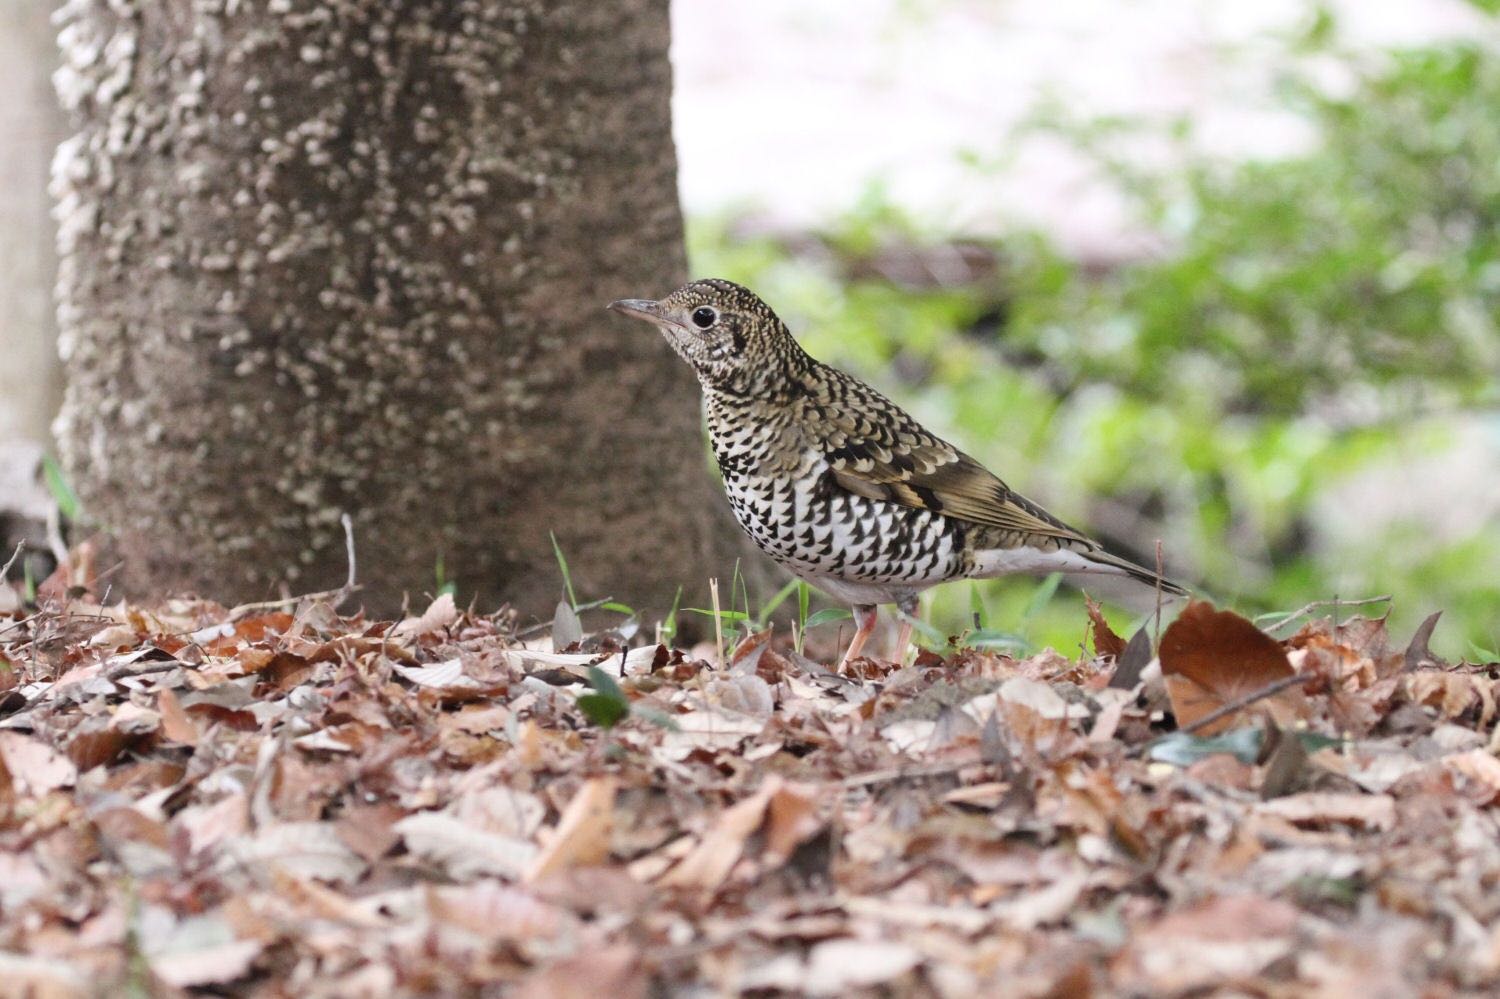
{"type": "Point", "coordinates": [57, 485]}
{"type": "Point", "coordinates": [1371, 260]}
{"type": "Point", "coordinates": [442, 584]}
{"type": "Point", "coordinates": [1320, 322]}
{"type": "Point", "coordinates": [607, 705]}
{"type": "Point", "coordinates": [562, 567]}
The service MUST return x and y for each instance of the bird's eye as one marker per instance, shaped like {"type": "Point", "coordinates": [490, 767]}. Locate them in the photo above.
{"type": "Point", "coordinates": [703, 317]}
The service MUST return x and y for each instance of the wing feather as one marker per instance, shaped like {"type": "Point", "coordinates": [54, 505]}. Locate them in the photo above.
{"type": "Point", "coordinates": [876, 450]}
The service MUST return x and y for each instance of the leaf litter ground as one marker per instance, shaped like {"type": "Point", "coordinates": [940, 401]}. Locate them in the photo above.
{"type": "Point", "coordinates": [293, 802]}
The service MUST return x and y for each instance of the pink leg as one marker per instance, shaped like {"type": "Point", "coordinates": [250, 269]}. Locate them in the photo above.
{"type": "Point", "coordinates": [864, 619]}
{"type": "Point", "coordinates": [909, 607]}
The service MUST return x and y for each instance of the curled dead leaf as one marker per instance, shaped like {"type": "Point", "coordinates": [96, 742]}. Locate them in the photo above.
{"type": "Point", "coordinates": [1212, 658]}
{"type": "Point", "coordinates": [583, 832]}
{"type": "Point", "coordinates": [1106, 642]}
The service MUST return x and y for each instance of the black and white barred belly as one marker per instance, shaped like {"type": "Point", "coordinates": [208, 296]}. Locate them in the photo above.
{"type": "Point", "coordinates": [785, 497]}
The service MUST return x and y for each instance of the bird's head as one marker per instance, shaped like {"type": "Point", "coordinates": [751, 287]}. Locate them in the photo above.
{"type": "Point", "coordinates": [731, 338]}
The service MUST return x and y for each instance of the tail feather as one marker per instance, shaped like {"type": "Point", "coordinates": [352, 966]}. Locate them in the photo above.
{"type": "Point", "coordinates": [1137, 572]}
{"type": "Point", "coordinates": [1004, 561]}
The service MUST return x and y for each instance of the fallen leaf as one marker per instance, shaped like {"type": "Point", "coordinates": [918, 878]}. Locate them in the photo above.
{"type": "Point", "coordinates": [1229, 938]}
{"type": "Point", "coordinates": [1417, 653]}
{"type": "Point", "coordinates": [614, 972]}
{"type": "Point", "coordinates": [462, 851]}
{"type": "Point", "coordinates": [1481, 768]}
{"type": "Point", "coordinates": [1372, 811]}
{"type": "Point", "coordinates": [303, 849]}
{"type": "Point", "coordinates": [35, 767]}
{"type": "Point", "coordinates": [440, 614]}
{"type": "Point", "coordinates": [1132, 662]}
{"type": "Point", "coordinates": [176, 724]}
{"type": "Point", "coordinates": [714, 857]}
{"type": "Point", "coordinates": [1211, 658]}
{"type": "Point", "coordinates": [1106, 642]}
{"type": "Point", "coordinates": [493, 911]}
{"type": "Point", "coordinates": [583, 832]}
{"type": "Point", "coordinates": [43, 978]}
{"type": "Point", "coordinates": [836, 967]}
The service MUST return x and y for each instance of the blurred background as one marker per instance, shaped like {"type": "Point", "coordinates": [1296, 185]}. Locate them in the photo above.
{"type": "Point", "coordinates": [1222, 274]}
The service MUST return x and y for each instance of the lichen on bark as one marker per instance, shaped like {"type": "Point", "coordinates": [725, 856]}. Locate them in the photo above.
{"type": "Point", "coordinates": [353, 255]}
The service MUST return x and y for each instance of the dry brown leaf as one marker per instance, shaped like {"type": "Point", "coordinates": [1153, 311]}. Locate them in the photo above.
{"type": "Point", "coordinates": [837, 967]}
{"type": "Point", "coordinates": [493, 911]}
{"type": "Point", "coordinates": [1452, 693]}
{"type": "Point", "coordinates": [709, 863]}
{"type": "Point", "coordinates": [583, 832]}
{"type": "Point", "coordinates": [461, 850]}
{"type": "Point", "coordinates": [1372, 811]}
{"type": "Point", "coordinates": [43, 978]}
{"type": "Point", "coordinates": [440, 614]}
{"type": "Point", "coordinates": [35, 767]}
{"type": "Point", "coordinates": [96, 742]}
{"type": "Point", "coordinates": [206, 826]}
{"type": "Point", "coordinates": [613, 971]}
{"type": "Point", "coordinates": [1220, 939]}
{"type": "Point", "coordinates": [1106, 642]}
{"type": "Point", "coordinates": [1210, 658]}
{"type": "Point", "coordinates": [1481, 768]}
{"type": "Point", "coordinates": [303, 849]}
{"type": "Point", "coordinates": [214, 964]}
{"type": "Point", "coordinates": [176, 724]}
{"type": "Point", "coordinates": [791, 819]}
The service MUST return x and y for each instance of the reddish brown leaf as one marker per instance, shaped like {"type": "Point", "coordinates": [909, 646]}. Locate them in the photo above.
{"type": "Point", "coordinates": [1211, 658]}
{"type": "Point", "coordinates": [1106, 642]}
{"type": "Point", "coordinates": [176, 724]}
{"type": "Point", "coordinates": [96, 742]}
{"type": "Point", "coordinates": [582, 834]}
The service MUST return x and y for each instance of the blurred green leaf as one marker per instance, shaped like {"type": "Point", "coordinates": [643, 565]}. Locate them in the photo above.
{"type": "Point", "coordinates": [1183, 749]}
{"type": "Point", "coordinates": [57, 485]}
{"type": "Point", "coordinates": [607, 705]}
{"type": "Point", "coordinates": [829, 614]}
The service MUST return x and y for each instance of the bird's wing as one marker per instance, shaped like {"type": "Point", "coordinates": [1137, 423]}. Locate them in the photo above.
{"type": "Point", "coordinates": [875, 449]}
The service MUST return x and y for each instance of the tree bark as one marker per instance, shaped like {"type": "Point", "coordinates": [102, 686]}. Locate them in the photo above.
{"type": "Point", "coordinates": [354, 256]}
{"type": "Point", "coordinates": [31, 124]}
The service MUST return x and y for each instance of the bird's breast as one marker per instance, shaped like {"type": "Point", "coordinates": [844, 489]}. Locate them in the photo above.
{"type": "Point", "coordinates": [784, 495]}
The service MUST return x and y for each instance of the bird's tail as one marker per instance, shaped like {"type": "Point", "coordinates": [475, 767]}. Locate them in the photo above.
{"type": "Point", "coordinates": [1139, 573]}
{"type": "Point", "coordinates": [990, 562]}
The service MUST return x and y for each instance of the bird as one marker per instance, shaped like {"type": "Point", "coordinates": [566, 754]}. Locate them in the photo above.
{"type": "Point", "coordinates": [840, 485]}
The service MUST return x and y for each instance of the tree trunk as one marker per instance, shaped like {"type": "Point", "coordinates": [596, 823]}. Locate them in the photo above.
{"type": "Point", "coordinates": [354, 256]}
{"type": "Point", "coordinates": [31, 124]}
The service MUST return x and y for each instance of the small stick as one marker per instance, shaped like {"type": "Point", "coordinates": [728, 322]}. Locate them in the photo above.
{"type": "Point", "coordinates": [20, 545]}
{"type": "Point", "coordinates": [900, 773]}
{"type": "Point", "coordinates": [348, 523]}
{"type": "Point", "coordinates": [1159, 578]}
{"type": "Point", "coordinates": [54, 534]}
{"type": "Point", "coordinates": [336, 597]}
{"type": "Point", "coordinates": [1240, 703]}
{"type": "Point", "coordinates": [1335, 603]}
{"type": "Point", "coordinates": [713, 591]}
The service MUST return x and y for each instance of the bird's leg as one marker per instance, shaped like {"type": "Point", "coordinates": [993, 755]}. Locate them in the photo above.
{"type": "Point", "coordinates": [864, 618]}
{"type": "Point", "coordinates": [910, 607]}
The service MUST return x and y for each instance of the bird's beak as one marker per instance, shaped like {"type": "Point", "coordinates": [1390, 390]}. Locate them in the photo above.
{"type": "Point", "coordinates": [638, 308]}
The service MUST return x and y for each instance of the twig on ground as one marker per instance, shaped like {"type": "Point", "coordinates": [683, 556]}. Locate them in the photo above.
{"type": "Point", "coordinates": [335, 597]}
{"type": "Point", "coordinates": [140, 668]}
{"type": "Point", "coordinates": [900, 773]}
{"type": "Point", "coordinates": [713, 590]}
{"type": "Point", "coordinates": [1160, 579]}
{"type": "Point", "coordinates": [1241, 703]}
{"type": "Point", "coordinates": [1335, 602]}
{"type": "Point", "coordinates": [20, 546]}
{"type": "Point", "coordinates": [54, 534]}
